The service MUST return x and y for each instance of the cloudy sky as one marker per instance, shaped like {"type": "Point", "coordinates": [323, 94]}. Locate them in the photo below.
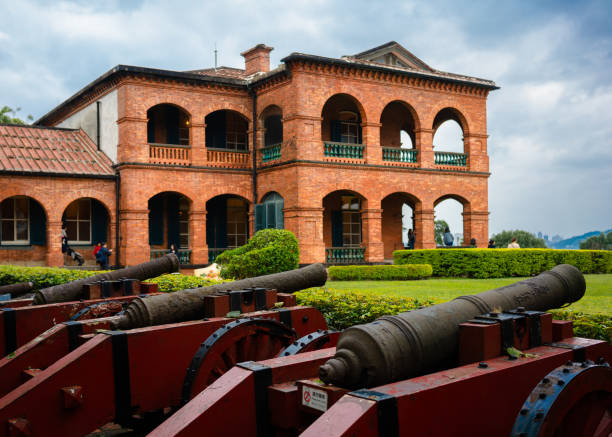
{"type": "Point", "coordinates": [550, 124]}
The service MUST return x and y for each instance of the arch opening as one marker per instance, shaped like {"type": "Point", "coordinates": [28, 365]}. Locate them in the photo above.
{"type": "Point", "coordinates": [227, 130]}
{"type": "Point", "coordinates": [398, 126]}
{"type": "Point", "coordinates": [269, 213]}
{"type": "Point", "coordinates": [398, 223]}
{"type": "Point", "coordinates": [169, 226]}
{"type": "Point", "coordinates": [449, 127]}
{"type": "Point", "coordinates": [168, 124]}
{"type": "Point", "coordinates": [448, 214]}
{"type": "Point", "coordinates": [272, 118]}
{"type": "Point", "coordinates": [341, 120]}
{"type": "Point", "coordinates": [227, 224]}
{"type": "Point", "coordinates": [23, 222]}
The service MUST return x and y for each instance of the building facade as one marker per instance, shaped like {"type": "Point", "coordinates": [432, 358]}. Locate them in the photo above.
{"type": "Point", "coordinates": [330, 149]}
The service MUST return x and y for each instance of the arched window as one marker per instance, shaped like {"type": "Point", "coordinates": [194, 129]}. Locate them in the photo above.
{"type": "Point", "coordinates": [15, 221]}
{"type": "Point", "coordinates": [227, 130]}
{"type": "Point", "coordinates": [86, 221]}
{"type": "Point", "coordinates": [273, 126]}
{"type": "Point", "coordinates": [269, 213]}
{"type": "Point", "coordinates": [167, 124]}
{"type": "Point", "coordinates": [351, 221]}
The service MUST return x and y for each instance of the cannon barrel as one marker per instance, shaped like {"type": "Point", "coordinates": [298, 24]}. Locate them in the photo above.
{"type": "Point", "coordinates": [188, 304]}
{"type": "Point", "coordinates": [18, 289]}
{"type": "Point", "coordinates": [72, 290]}
{"type": "Point", "coordinates": [394, 348]}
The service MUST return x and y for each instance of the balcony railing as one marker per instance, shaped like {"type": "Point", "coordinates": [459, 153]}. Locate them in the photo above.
{"type": "Point", "coordinates": [169, 154]}
{"type": "Point", "coordinates": [214, 252]}
{"type": "Point", "coordinates": [184, 255]}
{"type": "Point", "coordinates": [343, 150]}
{"type": "Point", "coordinates": [271, 153]}
{"type": "Point", "coordinates": [344, 255]}
{"type": "Point", "coordinates": [227, 158]}
{"type": "Point", "coordinates": [394, 154]}
{"type": "Point", "coordinates": [450, 158]}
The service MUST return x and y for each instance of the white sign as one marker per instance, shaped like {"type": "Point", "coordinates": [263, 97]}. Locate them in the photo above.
{"type": "Point", "coordinates": [314, 398]}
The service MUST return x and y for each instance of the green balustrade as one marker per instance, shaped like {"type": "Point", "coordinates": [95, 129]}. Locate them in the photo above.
{"type": "Point", "coordinates": [450, 158]}
{"type": "Point", "coordinates": [184, 255]}
{"type": "Point", "coordinates": [343, 150]}
{"type": "Point", "coordinates": [271, 153]}
{"type": "Point", "coordinates": [345, 255]}
{"type": "Point", "coordinates": [399, 155]}
{"type": "Point", "coordinates": [214, 252]}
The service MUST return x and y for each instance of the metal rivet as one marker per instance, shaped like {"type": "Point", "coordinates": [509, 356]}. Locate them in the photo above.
{"type": "Point", "coordinates": [545, 381]}
{"type": "Point", "coordinates": [569, 363]}
{"type": "Point", "coordinates": [483, 365]}
{"type": "Point", "coordinates": [304, 319]}
{"type": "Point", "coordinates": [524, 411]}
{"type": "Point", "coordinates": [565, 370]}
{"type": "Point", "coordinates": [542, 395]}
{"type": "Point", "coordinates": [560, 382]}
{"type": "Point", "coordinates": [538, 416]}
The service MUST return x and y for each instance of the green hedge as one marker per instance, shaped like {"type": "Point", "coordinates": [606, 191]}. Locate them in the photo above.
{"type": "Point", "coordinates": [347, 308]}
{"type": "Point", "coordinates": [268, 251]}
{"type": "Point", "coordinates": [500, 263]}
{"type": "Point", "coordinates": [379, 273]}
{"type": "Point", "coordinates": [44, 277]}
{"type": "Point", "coordinates": [597, 326]}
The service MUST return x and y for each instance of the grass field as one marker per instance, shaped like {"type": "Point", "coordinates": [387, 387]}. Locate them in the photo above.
{"type": "Point", "coordinates": [597, 300]}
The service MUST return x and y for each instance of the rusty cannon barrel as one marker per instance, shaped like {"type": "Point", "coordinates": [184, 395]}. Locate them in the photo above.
{"type": "Point", "coordinates": [393, 348]}
{"type": "Point", "coordinates": [16, 290]}
{"type": "Point", "coordinates": [188, 304]}
{"type": "Point", "coordinates": [72, 290]}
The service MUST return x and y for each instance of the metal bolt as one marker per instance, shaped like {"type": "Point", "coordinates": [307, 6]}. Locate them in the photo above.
{"type": "Point", "coordinates": [569, 363]}
{"type": "Point", "coordinates": [539, 415]}
{"type": "Point", "coordinates": [545, 381]}
{"type": "Point", "coordinates": [304, 319]}
{"type": "Point", "coordinates": [493, 314]}
{"type": "Point", "coordinates": [524, 411]}
{"type": "Point", "coordinates": [560, 382]}
{"type": "Point", "coordinates": [482, 365]}
{"type": "Point", "coordinates": [542, 395]}
{"type": "Point", "coordinates": [310, 336]}
{"type": "Point", "coordinates": [565, 370]}
{"type": "Point", "coordinates": [520, 310]}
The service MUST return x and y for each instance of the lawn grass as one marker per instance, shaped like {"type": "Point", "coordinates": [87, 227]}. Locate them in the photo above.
{"type": "Point", "coordinates": [597, 299]}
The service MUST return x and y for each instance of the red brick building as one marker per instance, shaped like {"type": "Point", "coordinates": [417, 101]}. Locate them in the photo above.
{"type": "Point", "coordinates": [144, 158]}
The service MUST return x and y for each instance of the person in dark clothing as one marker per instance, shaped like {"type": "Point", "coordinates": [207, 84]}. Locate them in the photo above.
{"type": "Point", "coordinates": [473, 242]}
{"type": "Point", "coordinates": [102, 256]}
{"type": "Point", "coordinates": [411, 238]}
{"type": "Point", "coordinates": [76, 256]}
{"type": "Point", "coordinates": [448, 237]}
{"type": "Point", "coordinates": [491, 244]}
{"type": "Point", "coordinates": [173, 250]}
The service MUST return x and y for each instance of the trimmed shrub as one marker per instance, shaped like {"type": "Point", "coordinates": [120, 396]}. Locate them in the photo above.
{"type": "Point", "coordinates": [175, 282]}
{"type": "Point", "coordinates": [268, 251]}
{"type": "Point", "coordinates": [379, 273]}
{"type": "Point", "coordinates": [42, 277]}
{"type": "Point", "coordinates": [500, 263]}
{"type": "Point", "coordinates": [342, 309]}
{"type": "Point", "coordinates": [598, 326]}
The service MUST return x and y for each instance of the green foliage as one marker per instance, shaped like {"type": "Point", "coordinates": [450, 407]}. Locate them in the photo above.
{"type": "Point", "coordinates": [500, 263]}
{"type": "Point", "coordinates": [598, 326]}
{"type": "Point", "coordinates": [598, 242]}
{"type": "Point", "coordinates": [379, 273]}
{"type": "Point", "coordinates": [439, 228]}
{"type": "Point", "coordinates": [8, 115]}
{"type": "Point", "coordinates": [175, 282]}
{"type": "Point", "coordinates": [268, 251]}
{"type": "Point", "coordinates": [525, 239]}
{"type": "Point", "coordinates": [347, 308]}
{"type": "Point", "coordinates": [42, 277]}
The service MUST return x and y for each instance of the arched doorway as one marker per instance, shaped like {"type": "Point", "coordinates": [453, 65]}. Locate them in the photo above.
{"type": "Point", "coordinates": [397, 133]}
{"type": "Point", "coordinates": [227, 224]}
{"type": "Point", "coordinates": [169, 225]}
{"type": "Point", "coordinates": [227, 130]}
{"type": "Point", "coordinates": [448, 139]}
{"type": "Point", "coordinates": [342, 227]}
{"type": "Point", "coordinates": [87, 224]}
{"type": "Point", "coordinates": [397, 220]}
{"type": "Point", "coordinates": [341, 127]}
{"type": "Point", "coordinates": [448, 212]}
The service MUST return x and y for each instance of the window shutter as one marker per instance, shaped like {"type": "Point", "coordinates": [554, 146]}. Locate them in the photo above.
{"type": "Point", "coordinates": [156, 221]}
{"type": "Point", "coordinates": [260, 216]}
{"type": "Point", "coordinates": [38, 224]}
{"type": "Point", "coordinates": [280, 217]}
{"type": "Point", "coordinates": [150, 131]}
{"type": "Point", "coordinates": [172, 125]}
{"type": "Point", "coordinates": [221, 235]}
{"type": "Point", "coordinates": [336, 217]}
{"type": "Point", "coordinates": [270, 215]}
{"type": "Point", "coordinates": [336, 131]}
{"type": "Point", "coordinates": [359, 138]}
{"type": "Point", "coordinates": [215, 130]}
{"type": "Point", "coordinates": [172, 211]}
{"type": "Point", "coordinates": [99, 222]}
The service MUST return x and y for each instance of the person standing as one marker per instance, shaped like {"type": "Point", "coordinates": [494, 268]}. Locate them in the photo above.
{"type": "Point", "coordinates": [411, 238]}
{"type": "Point", "coordinates": [514, 244]}
{"type": "Point", "coordinates": [448, 237]}
{"type": "Point", "coordinates": [491, 244]}
{"type": "Point", "coordinates": [102, 256]}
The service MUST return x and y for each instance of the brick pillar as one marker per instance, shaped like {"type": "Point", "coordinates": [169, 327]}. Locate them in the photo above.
{"type": "Point", "coordinates": [424, 228]}
{"type": "Point", "coordinates": [198, 144]}
{"type": "Point", "coordinates": [371, 222]}
{"type": "Point", "coordinates": [307, 225]}
{"type": "Point", "coordinates": [370, 133]}
{"type": "Point", "coordinates": [133, 145]}
{"type": "Point", "coordinates": [476, 225]}
{"type": "Point", "coordinates": [134, 229]}
{"type": "Point", "coordinates": [54, 256]}
{"type": "Point", "coordinates": [475, 146]}
{"type": "Point", "coordinates": [110, 240]}
{"type": "Point", "coordinates": [424, 145]}
{"type": "Point", "coordinates": [197, 234]}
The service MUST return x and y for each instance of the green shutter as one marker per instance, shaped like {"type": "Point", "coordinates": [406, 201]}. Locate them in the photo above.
{"type": "Point", "coordinates": [270, 215]}
{"type": "Point", "coordinates": [172, 211]}
{"type": "Point", "coordinates": [280, 217]}
{"type": "Point", "coordinates": [336, 217]}
{"type": "Point", "coordinates": [99, 222]}
{"type": "Point", "coordinates": [38, 224]}
{"type": "Point", "coordinates": [336, 131]}
{"type": "Point", "coordinates": [156, 221]}
{"type": "Point", "coordinates": [260, 216]}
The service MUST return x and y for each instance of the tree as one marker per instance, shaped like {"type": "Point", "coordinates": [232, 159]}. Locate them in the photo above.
{"type": "Point", "coordinates": [439, 228]}
{"type": "Point", "coordinates": [525, 239]}
{"type": "Point", "coordinates": [9, 115]}
{"type": "Point", "coordinates": [598, 242]}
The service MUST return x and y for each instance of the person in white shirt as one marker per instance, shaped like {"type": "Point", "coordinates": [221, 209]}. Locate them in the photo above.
{"type": "Point", "coordinates": [513, 244]}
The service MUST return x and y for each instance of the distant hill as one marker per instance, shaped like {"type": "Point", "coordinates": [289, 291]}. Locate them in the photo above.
{"type": "Point", "coordinates": [574, 242]}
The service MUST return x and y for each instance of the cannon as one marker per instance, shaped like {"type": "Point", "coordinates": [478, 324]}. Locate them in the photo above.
{"type": "Point", "coordinates": [16, 290]}
{"type": "Point", "coordinates": [397, 347]}
{"type": "Point", "coordinates": [189, 304]}
{"type": "Point", "coordinates": [72, 290]}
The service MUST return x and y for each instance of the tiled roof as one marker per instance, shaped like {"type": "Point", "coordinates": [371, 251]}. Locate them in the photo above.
{"type": "Point", "coordinates": [33, 149]}
{"type": "Point", "coordinates": [236, 73]}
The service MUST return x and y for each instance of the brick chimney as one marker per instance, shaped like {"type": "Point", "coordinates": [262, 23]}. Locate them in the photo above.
{"type": "Point", "coordinates": [257, 59]}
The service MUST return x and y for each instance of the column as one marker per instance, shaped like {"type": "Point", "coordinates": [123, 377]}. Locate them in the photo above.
{"type": "Point", "coordinates": [424, 145]}
{"type": "Point", "coordinates": [424, 228]}
{"type": "Point", "coordinates": [197, 237]}
{"type": "Point", "coordinates": [476, 225]}
{"type": "Point", "coordinates": [371, 231]}
{"type": "Point", "coordinates": [133, 145]}
{"type": "Point", "coordinates": [54, 256]}
{"type": "Point", "coordinates": [307, 225]}
{"type": "Point", "coordinates": [134, 240]}
{"type": "Point", "coordinates": [475, 146]}
{"type": "Point", "coordinates": [370, 133]}
{"type": "Point", "coordinates": [198, 144]}
{"type": "Point", "coordinates": [110, 239]}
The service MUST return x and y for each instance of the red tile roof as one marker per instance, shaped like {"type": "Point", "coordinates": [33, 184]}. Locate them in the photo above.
{"type": "Point", "coordinates": [236, 73]}
{"type": "Point", "coordinates": [33, 149]}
